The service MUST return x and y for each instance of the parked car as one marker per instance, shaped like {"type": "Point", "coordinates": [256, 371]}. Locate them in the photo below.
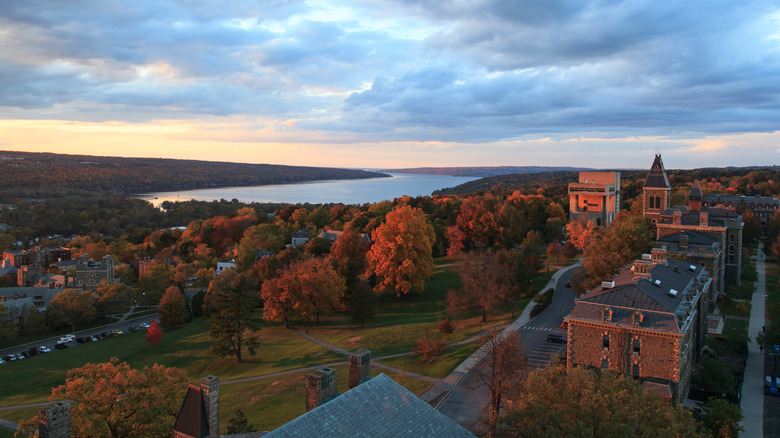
{"type": "Point", "coordinates": [60, 346]}
{"type": "Point", "coordinates": [10, 358]}
{"type": "Point", "coordinates": [133, 328]}
{"type": "Point", "coordinates": [44, 349]}
{"type": "Point", "coordinates": [2, 361]}
{"type": "Point", "coordinates": [93, 339]}
{"type": "Point", "coordinates": [144, 324]}
{"type": "Point", "coordinates": [117, 332]}
{"type": "Point", "coordinates": [558, 339]}
{"type": "Point", "coordinates": [81, 340]}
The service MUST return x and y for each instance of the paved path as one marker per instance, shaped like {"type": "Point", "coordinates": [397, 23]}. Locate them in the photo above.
{"type": "Point", "coordinates": [752, 402]}
{"type": "Point", "coordinates": [460, 396]}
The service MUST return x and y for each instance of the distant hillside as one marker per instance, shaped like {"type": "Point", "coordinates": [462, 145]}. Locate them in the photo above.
{"type": "Point", "coordinates": [485, 171]}
{"type": "Point", "coordinates": [46, 173]}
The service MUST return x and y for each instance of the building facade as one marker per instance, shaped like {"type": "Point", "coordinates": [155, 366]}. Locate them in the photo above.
{"type": "Point", "coordinates": [40, 256]}
{"type": "Point", "coordinates": [90, 273]}
{"type": "Point", "coordinates": [649, 322]}
{"type": "Point", "coordinates": [595, 196]}
{"type": "Point", "coordinates": [762, 207]}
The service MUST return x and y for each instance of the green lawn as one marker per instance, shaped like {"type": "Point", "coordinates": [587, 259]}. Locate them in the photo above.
{"type": "Point", "coordinates": [31, 380]}
{"type": "Point", "coordinates": [739, 308]}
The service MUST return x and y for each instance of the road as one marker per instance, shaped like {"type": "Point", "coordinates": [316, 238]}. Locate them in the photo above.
{"type": "Point", "coordinates": [468, 400]}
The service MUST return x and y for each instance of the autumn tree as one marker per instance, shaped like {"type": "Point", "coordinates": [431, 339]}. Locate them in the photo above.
{"type": "Point", "coordinates": [172, 308]}
{"type": "Point", "coordinates": [401, 256]}
{"type": "Point", "coordinates": [76, 305]}
{"type": "Point", "coordinates": [114, 400]}
{"type": "Point", "coordinates": [625, 240]}
{"type": "Point", "coordinates": [583, 402]}
{"type": "Point", "coordinates": [229, 303]}
{"type": "Point", "coordinates": [349, 256]}
{"type": "Point", "coordinates": [722, 418]}
{"type": "Point", "coordinates": [580, 232]}
{"type": "Point", "coordinates": [34, 322]}
{"type": "Point", "coordinates": [486, 281]}
{"type": "Point", "coordinates": [112, 298]}
{"type": "Point", "coordinates": [154, 333]}
{"type": "Point", "coordinates": [429, 348]}
{"type": "Point", "coordinates": [305, 289]}
{"type": "Point", "coordinates": [500, 369]}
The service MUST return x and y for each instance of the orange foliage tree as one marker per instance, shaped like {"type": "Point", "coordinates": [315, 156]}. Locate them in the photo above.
{"type": "Point", "coordinates": [306, 289]}
{"type": "Point", "coordinates": [401, 256]}
{"type": "Point", "coordinates": [581, 232]}
{"type": "Point", "coordinates": [172, 308]}
{"type": "Point", "coordinates": [77, 306]}
{"type": "Point", "coordinates": [114, 400]}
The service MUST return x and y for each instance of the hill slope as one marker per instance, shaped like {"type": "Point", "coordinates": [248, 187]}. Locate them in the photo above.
{"type": "Point", "coordinates": [25, 172]}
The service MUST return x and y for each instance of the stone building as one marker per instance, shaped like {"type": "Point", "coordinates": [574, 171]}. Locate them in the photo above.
{"type": "Point", "coordinates": [90, 273]}
{"type": "Point", "coordinates": [762, 207]}
{"type": "Point", "coordinates": [698, 249]}
{"type": "Point", "coordinates": [649, 322]}
{"type": "Point", "coordinates": [54, 421]}
{"type": "Point", "coordinates": [199, 413]}
{"type": "Point", "coordinates": [595, 196]}
{"type": "Point", "coordinates": [718, 223]}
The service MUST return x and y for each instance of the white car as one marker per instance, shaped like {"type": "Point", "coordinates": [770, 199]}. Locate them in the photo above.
{"type": "Point", "coordinates": [144, 325]}
{"type": "Point", "coordinates": [44, 349]}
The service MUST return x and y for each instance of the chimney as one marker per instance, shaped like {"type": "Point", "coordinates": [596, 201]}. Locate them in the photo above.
{"type": "Point", "coordinates": [684, 242]}
{"type": "Point", "coordinates": [704, 219]}
{"type": "Point", "coordinates": [209, 390]}
{"type": "Point", "coordinates": [658, 255]}
{"type": "Point", "coordinates": [677, 217]}
{"type": "Point", "coordinates": [641, 268]}
{"type": "Point", "coordinates": [359, 367]}
{"type": "Point", "coordinates": [320, 387]}
{"type": "Point", "coordinates": [54, 421]}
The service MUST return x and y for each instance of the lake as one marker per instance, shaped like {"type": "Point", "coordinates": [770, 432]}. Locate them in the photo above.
{"type": "Point", "coordinates": [352, 191]}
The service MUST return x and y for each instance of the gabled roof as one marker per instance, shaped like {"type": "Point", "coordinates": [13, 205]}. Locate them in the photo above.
{"type": "Point", "coordinates": [192, 420]}
{"type": "Point", "coordinates": [656, 177]}
{"type": "Point", "coordinates": [378, 408]}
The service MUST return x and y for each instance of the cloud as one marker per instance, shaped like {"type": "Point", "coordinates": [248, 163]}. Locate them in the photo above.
{"type": "Point", "coordinates": [411, 72]}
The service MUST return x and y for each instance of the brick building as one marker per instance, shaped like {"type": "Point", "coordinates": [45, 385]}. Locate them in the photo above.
{"type": "Point", "coordinates": [40, 256]}
{"type": "Point", "coordinates": [595, 196]}
{"type": "Point", "coordinates": [718, 223]}
{"type": "Point", "coordinates": [649, 322]}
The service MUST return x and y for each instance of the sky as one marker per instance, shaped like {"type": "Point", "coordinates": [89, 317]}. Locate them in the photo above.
{"type": "Point", "coordinates": [395, 83]}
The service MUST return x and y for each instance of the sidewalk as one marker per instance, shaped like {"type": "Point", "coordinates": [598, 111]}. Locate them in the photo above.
{"type": "Point", "coordinates": [440, 391]}
{"type": "Point", "coordinates": [752, 402]}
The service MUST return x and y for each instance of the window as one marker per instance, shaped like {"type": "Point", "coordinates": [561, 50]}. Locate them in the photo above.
{"type": "Point", "coordinates": [636, 346]}
{"type": "Point", "coordinates": [635, 371]}
{"type": "Point", "coordinates": [606, 341]}
{"type": "Point", "coordinates": [604, 364]}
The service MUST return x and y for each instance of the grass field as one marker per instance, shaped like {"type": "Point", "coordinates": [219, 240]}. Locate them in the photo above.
{"type": "Point", "coordinates": [271, 402]}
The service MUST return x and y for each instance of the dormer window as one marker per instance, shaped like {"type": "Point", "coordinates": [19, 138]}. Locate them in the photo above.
{"type": "Point", "coordinates": [606, 314]}
{"type": "Point", "coordinates": [638, 318]}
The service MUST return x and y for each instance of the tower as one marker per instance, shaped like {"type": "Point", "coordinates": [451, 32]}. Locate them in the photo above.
{"type": "Point", "coordinates": [694, 197]}
{"type": "Point", "coordinates": [657, 190]}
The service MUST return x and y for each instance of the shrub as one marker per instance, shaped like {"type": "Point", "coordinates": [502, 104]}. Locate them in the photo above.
{"type": "Point", "coordinates": [445, 326]}
{"type": "Point", "coordinates": [429, 348]}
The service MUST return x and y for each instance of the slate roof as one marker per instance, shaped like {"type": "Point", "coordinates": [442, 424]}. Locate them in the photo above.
{"type": "Point", "coordinates": [632, 294]}
{"type": "Point", "coordinates": [378, 408]}
{"type": "Point", "coordinates": [192, 420]}
{"type": "Point", "coordinates": [694, 238]}
{"type": "Point", "coordinates": [695, 192]}
{"type": "Point", "coordinates": [656, 177]}
{"type": "Point", "coordinates": [301, 233]}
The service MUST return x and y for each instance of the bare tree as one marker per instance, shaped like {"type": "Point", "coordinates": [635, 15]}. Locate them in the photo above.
{"type": "Point", "coordinates": [501, 368]}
